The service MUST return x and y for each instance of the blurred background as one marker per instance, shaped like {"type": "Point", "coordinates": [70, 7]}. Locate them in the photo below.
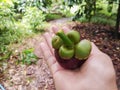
{"type": "Point", "coordinates": [22, 23]}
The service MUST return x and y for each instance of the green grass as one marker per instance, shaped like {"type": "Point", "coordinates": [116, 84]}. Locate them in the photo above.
{"type": "Point", "coordinates": [14, 30]}
{"type": "Point", "coordinates": [53, 16]}
{"type": "Point", "coordinates": [103, 20]}
{"type": "Point", "coordinates": [100, 19]}
{"type": "Point", "coordinates": [27, 57]}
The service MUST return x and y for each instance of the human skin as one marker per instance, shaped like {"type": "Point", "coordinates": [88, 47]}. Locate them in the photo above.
{"type": "Point", "coordinates": [97, 73]}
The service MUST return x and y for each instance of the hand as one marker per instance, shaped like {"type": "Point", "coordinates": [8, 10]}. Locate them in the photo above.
{"type": "Point", "coordinates": [97, 73]}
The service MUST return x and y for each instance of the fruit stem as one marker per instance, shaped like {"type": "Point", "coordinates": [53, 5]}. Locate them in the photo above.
{"type": "Point", "coordinates": [65, 39]}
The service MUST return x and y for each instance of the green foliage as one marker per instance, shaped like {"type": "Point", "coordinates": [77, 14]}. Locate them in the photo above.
{"type": "Point", "coordinates": [89, 8]}
{"type": "Point", "coordinates": [52, 16]}
{"type": "Point", "coordinates": [103, 20]}
{"type": "Point", "coordinates": [86, 7]}
{"type": "Point", "coordinates": [10, 30]}
{"type": "Point", "coordinates": [65, 11]}
{"type": "Point", "coordinates": [100, 19]}
{"type": "Point", "coordinates": [14, 30]}
{"type": "Point", "coordinates": [20, 5]}
{"type": "Point", "coordinates": [27, 57]}
{"type": "Point", "coordinates": [33, 17]}
{"type": "Point", "coordinates": [58, 10]}
{"type": "Point", "coordinates": [6, 26]}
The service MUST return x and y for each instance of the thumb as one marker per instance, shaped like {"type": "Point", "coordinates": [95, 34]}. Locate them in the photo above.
{"type": "Point", "coordinates": [95, 49]}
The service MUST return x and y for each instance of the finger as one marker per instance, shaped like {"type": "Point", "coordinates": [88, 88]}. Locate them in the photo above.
{"type": "Point", "coordinates": [48, 38]}
{"type": "Point", "coordinates": [51, 60]}
{"type": "Point", "coordinates": [66, 29]}
{"type": "Point", "coordinates": [95, 49]}
{"type": "Point", "coordinates": [56, 29]}
{"type": "Point", "coordinates": [47, 54]}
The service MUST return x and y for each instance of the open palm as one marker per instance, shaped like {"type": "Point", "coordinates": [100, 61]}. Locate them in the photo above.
{"type": "Point", "coordinates": [97, 73]}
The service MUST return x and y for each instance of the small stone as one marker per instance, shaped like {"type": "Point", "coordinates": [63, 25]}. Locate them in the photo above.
{"type": "Point", "coordinates": [11, 71]}
{"type": "Point", "coordinates": [30, 70]}
{"type": "Point", "coordinates": [17, 80]}
{"type": "Point", "coordinates": [117, 48]}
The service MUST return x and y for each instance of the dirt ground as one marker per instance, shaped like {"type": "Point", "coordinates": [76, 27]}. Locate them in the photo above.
{"type": "Point", "coordinates": [38, 76]}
